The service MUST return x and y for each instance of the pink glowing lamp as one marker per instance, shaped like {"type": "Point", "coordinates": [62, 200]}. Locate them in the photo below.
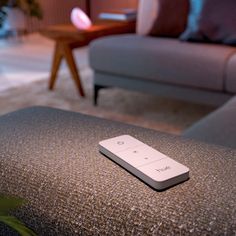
{"type": "Point", "coordinates": [79, 19]}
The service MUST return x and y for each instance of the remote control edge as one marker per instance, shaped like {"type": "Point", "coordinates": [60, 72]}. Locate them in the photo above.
{"type": "Point", "coordinates": [145, 178]}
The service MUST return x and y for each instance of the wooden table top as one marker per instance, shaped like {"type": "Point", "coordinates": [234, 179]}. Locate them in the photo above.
{"type": "Point", "coordinates": [68, 32]}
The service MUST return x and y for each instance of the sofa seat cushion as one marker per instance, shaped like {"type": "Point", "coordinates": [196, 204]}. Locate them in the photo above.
{"type": "Point", "coordinates": [231, 75]}
{"type": "Point", "coordinates": [162, 59]}
{"type": "Point", "coordinates": [218, 127]}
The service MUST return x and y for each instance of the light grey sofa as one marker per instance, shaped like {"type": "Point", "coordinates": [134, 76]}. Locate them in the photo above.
{"type": "Point", "coordinates": [50, 158]}
{"type": "Point", "coordinates": [198, 72]}
{"type": "Point", "coordinates": [203, 73]}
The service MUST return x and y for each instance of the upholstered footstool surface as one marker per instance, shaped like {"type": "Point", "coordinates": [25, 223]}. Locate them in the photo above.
{"type": "Point", "coordinates": [50, 158]}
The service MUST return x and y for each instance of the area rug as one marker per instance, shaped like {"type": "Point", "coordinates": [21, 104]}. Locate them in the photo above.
{"type": "Point", "coordinates": [135, 108]}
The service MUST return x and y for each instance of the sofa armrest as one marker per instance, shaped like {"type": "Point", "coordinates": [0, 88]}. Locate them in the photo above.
{"type": "Point", "coordinates": [217, 128]}
{"type": "Point", "coordinates": [50, 158]}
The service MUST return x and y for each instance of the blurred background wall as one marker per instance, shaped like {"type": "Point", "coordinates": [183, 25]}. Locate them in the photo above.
{"type": "Point", "coordinates": [105, 5]}
{"type": "Point", "coordinates": [58, 11]}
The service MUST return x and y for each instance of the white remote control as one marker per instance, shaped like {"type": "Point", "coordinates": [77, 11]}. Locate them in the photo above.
{"type": "Point", "coordinates": [151, 166]}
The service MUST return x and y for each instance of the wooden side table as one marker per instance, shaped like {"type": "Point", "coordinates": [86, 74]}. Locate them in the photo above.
{"type": "Point", "coordinates": [67, 38]}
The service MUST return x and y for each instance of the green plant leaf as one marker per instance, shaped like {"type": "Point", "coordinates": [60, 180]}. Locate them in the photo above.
{"type": "Point", "coordinates": [18, 226]}
{"type": "Point", "coordinates": [29, 7]}
{"type": "Point", "coordinates": [8, 204]}
{"type": "Point", "coordinates": [3, 15]}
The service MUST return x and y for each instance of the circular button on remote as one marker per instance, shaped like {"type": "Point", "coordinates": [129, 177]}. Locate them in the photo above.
{"type": "Point", "coordinates": [120, 142]}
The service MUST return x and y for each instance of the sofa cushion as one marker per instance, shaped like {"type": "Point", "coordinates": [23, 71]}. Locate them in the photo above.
{"type": "Point", "coordinates": [161, 59]}
{"type": "Point", "coordinates": [212, 21]}
{"type": "Point", "coordinates": [147, 13]}
{"type": "Point", "coordinates": [162, 17]}
{"type": "Point", "coordinates": [231, 74]}
{"type": "Point", "coordinates": [218, 127]}
{"type": "Point", "coordinates": [171, 18]}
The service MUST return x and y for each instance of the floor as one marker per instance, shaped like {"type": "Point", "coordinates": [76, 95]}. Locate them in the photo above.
{"type": "Point", "coordinates": [28, 59]}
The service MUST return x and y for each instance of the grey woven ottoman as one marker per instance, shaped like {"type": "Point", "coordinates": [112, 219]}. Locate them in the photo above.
{"type": "Point", "coordinates": [50, 158]}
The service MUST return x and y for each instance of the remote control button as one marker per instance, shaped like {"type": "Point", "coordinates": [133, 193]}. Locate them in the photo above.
{"type": "Point", "coordinates": [164, 169]}
{"type": "Point", "coordinates": [141, 155]}
{"type": "Point", "coordinates": [120, 143]}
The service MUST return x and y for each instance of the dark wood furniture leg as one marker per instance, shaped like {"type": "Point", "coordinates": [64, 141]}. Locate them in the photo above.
{"type": "Point", "coordinates": [57, 58]}
{"type": "Point", "coordinates": [64, 50]}
{"type": "Point", "coordinates": [67, 51]}
{"type": "Point", "coordinates": [96, 89]}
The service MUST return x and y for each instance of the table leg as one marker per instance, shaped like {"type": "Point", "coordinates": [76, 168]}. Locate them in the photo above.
{"type": "Point", "coordinates": [55, 65]}
{"type": "Point", "coordinates": [67, 52]}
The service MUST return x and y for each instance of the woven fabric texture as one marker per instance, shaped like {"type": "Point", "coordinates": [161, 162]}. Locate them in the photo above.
{"type": "Point", "coordinates": [50, 158]}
